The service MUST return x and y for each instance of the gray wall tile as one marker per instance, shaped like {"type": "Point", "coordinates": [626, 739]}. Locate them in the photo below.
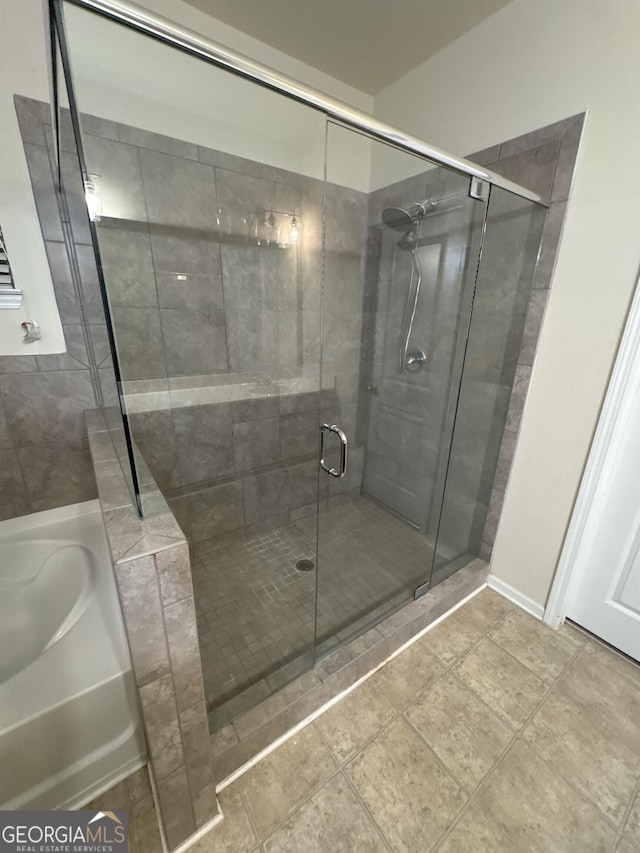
{"type": "Point", "coordinates": [266, 495]}
{"type": "Point", "coordinates": [175, 805]}
{"type": "Point", "coordinates": [216, 510]}
{"type": "Point", "coordinates": [256, 443]}
{"type": "Point", "coordinates": [184, 652]}
{"type": "Point", "coordinates": [162, 726]}
{"type": "Point", "coordinates": [142, 611]}
{"type": "Point", "coordinates": [179, 192]}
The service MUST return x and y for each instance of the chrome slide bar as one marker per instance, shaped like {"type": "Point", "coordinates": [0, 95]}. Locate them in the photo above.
{"type": "Point", "coordinates": [167, 31]}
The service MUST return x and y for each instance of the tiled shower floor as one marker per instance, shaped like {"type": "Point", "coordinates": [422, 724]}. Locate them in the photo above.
{"type": "Point", "coordinates": [256, 611]}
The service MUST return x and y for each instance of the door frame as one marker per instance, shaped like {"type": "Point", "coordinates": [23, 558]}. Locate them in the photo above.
{"type": "Point", "coordinates": [612, 424]}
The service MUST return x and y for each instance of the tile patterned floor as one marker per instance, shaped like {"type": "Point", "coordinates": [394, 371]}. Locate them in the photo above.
{"type": "Point", "coordinates": [256, 612]}
{"type": "Point", "coordinates": [491, 733]}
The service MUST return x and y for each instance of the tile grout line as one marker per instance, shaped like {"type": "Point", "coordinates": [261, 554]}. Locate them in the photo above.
{"type": "Point", "coordinates": [620, 835]}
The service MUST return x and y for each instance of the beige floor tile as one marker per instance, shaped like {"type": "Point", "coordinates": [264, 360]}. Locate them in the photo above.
{"type": "Point", "coordinates": [615, 662]}
{"type": "Point", "coordinates": [505, 684]}
{"type": "Point", "coordinates": [572, 634]}
{"type": "Point", "coordinates": [354, 720]}
{"type": "Point", "coordinates": [602, 770]}
{"type": "Point", "coordinates": [332, 821]}
{"type": "Point", "coordinates": [625, 847]}
{"type": "Point", "coordinates": [461, 730]}
{"type": "Point", "coordinates": [537, 811]}
{"type": "Point", "coordinates": [280, 782]}
{"type": "Point", "coordinates": [543, 650]}
{"type": "Point", "coordinates": [235, 833]}
{"type": "Point", "coordinates": [475, 833]}
{"type": "Point", "coordinates": [222, 740]}
{"type": "Point", "coordinates": [407, 791]}
{"type": "Point", "coordinates": [406, 676]}
{"type": "Point", "coordinates": [611, 700]}
{"type": "Point", "coordinates": [454, 636]}
{"type": "Point", "coordinates": [632, 829]}
{"type": "Point", "coordinates": [487, 607]}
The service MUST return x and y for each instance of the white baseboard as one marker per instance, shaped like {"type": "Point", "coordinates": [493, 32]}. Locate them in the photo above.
{"type": "Point", "coordinates": [516, 597]}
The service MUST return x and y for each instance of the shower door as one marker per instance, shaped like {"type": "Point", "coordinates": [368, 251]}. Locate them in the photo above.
{"type": "Point", "coordinates": [402, 246]}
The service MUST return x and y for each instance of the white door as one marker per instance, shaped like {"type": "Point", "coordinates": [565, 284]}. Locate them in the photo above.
{"type": "Point", "coordinates": [604, 538]}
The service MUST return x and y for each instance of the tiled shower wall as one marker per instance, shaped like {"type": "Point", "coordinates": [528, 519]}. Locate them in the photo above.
{"type": "Point", "coordinates": [44, 455]}
{"type": "Point", "coordinates": [240, 312]}
{"type": "Point", "coordinates": [200, 298]}
{"type": "Point", "coordinates": [403, 417]}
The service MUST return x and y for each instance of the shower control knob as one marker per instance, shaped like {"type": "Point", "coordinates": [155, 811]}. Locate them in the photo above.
{"type": "Point", "coordinates": [416, 360]}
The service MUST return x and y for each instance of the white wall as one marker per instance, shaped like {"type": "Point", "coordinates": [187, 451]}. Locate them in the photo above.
{"type": "Point", "coordinates": [126, 87]}
{"type": "Point", "coordinates": [23, 70]}
{"type": "Point", "coordinates": [535, 62]}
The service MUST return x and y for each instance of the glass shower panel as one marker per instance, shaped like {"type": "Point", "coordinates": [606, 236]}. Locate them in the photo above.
{"type": "Point", "coordinates": [210, 239]}
{"type": "Point", "coordinates": [494, 351]}
{"type": "Point", "coordinates": [402, 244]}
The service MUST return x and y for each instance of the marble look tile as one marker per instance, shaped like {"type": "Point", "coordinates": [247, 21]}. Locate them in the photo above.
{"type": "Point", "coordinates": [144, 825]}
{"type": "Point", "coordinates": [474, 831]}
{"type": "Point", "coordinates": [31, 119]}
{"type": "Point", "coordinates": [197, 758]}
{"type": "Point", "coordinates": [563, 177]}
{"type": "Point", "coordinates": [243, 194]}
{"type": "Point", "coordinates": [66, 296]}
{"type": "Point", "coordinates": [266, 495]}
{"type": "Point", "coordinates": [47, 409]}
{"type": "Point", "coordinates": [299, 434]}
{"type": "Point", "coordinates": [157, 142]}
{"type": "Point", "coordinates": [141, 608]}
{"type": "Point", "coordinates": [184, 652]}
{"type": "Point", "coordinates": [127, 263]}
{"type": "Point", "coordinates": [334, 815]}
{"type": "Point", "coordinates": [625, 847]}
{"type": "Point", "coordinates": [536, 810]}
{"type": "Point", "coordinates": [162, 726]}
{"type": "Point", "coordinates": [76, 356]}
{"type": "Point", "coordinates": [174, 573]}
{"type": "Point", "coordinates": [90, 292]}
{"type": "Point", "coordinates": [43, 192]}
{"type": "Point", "coordinates": [205, 805]}
{"type": "Point", "coordinates": [533, 169]}
{"type": "Point", "coordinates": [407, 791]}
{"type": "Point", "coordinates": [216, 510]}
{"type": "Point", "coordinates": [463, 732]}
{"type": "Point", "coordinates": [508, 687]}
{"type": "Point", "coordinates": [353, 721]}
{"type": "Point", "coordinates": [139, 785]}
{"type": "Point", "coordinates": [615, 710]}
{"type": "Point", "coordinates": [175, 805]}
{"type": "Point", "coordinates": [305, 485]}
{"type": "Point", "coordinates": [454, 636]}
{"type": "Point", "coordinates": [249, 275]}
{"type": "Point", "coordinates": [229, 161]}
{"type": "Point", "coordinates": [487, 608]}
{"type": "Point", "coordinates": [235, 834]}
{"type": "Point", "coordinates": [97, 126]}
{"type": "Point", "coordinates": [112, 487]}
{"type": "Point", "coordinates": [594, 763]}
{"type": "Point", "coordinates": [57, 476]}
{"type": "Point", "coordinates": [631, 831]}
{"type": "Point", "coordinates": [18, 364]}
{"type": "Point", "coordinates": [120, 182]}
{"type": "Point", "coordinates": [281, 781]}
{"type": "Point", "coordinates": [14, 499]}
{"type": "Point", "coordinates": [541, 649]}
{"type": "Point", "coordinates": [179, 192]}
{"type": "Point", "coordinates": [518, 396]}
{"type": "Point", "coordinates": [222, 740]}
{"type": "Point", "coordinates": [252, 338]}
{"type": "Point", "coordinates": [608, 658]}
{"type": "Point", "coordinates": [139, 342]}
{"type": "Point", "coordinates": [256, 443]}
{"type": "Point", "coordinates": [194, 341]}
{"type": "Point", "coordinates": [407, 675]}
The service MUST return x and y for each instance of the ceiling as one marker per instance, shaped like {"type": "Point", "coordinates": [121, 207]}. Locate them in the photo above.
{"type": "Point", "coordinates": [366, 43]}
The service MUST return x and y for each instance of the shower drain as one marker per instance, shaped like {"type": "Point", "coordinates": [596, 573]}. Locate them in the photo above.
{"type": "Point", "coordinates": [305, 565]}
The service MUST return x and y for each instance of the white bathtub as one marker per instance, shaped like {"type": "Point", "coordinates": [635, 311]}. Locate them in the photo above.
{"type": "Point", "coordinates": [69, 720]}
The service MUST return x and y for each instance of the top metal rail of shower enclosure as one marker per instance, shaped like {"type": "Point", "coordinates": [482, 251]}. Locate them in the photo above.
{"type": "Point", "coordinates": [164, 30]}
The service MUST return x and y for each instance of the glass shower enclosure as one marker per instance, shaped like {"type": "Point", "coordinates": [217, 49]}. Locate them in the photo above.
{"type": "Point", "coordinates": [315, 334]}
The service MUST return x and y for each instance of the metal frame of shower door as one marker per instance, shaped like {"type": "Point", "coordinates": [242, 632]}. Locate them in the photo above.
{"type": "Point", "coordinates": [191, 42]}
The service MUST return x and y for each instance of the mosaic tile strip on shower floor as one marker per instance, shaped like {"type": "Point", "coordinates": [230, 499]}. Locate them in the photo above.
{"type": "Point", "coordinates": [257, 612]}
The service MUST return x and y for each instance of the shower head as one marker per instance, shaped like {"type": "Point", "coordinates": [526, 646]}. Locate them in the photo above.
{"type": "Point", "coordinates": [409, 240]}
{"type": "Point", "coordinates": [401, 219]}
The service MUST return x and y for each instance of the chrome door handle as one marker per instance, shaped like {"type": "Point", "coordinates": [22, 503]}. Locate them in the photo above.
{"type": "Point", "coordinates": [334, 472]}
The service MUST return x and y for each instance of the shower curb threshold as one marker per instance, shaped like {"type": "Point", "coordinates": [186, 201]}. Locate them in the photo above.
{"type": "Point", "coordinates": [259, 731]}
